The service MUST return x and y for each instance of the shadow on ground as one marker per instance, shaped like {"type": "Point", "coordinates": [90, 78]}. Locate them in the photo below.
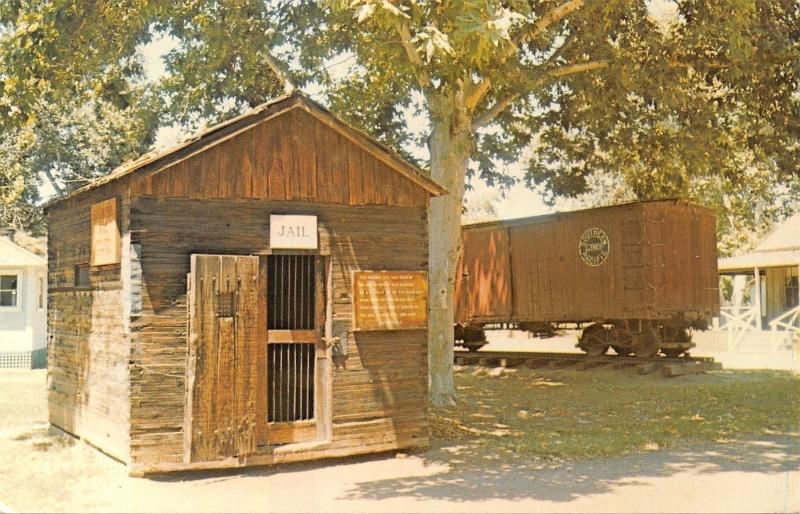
{"type": "Point", "coordinates": [475, 474]}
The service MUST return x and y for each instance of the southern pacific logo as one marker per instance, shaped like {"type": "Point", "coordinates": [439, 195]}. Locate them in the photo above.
{"type": "Point", "coordinates": [594, 246]}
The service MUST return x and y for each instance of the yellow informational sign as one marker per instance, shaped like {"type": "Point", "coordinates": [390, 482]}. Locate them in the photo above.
{"type": "Point", "coordinates": [390, 300]}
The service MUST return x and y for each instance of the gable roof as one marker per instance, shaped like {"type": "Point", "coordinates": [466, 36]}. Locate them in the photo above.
{"type": "Point", "coordinates": [780, 248]}
{"type": "Point", "coordinates": [785, 236]}
{"type": "Point", "coordinates": [12, 254]}
{"type": "Point", "coordinates": [154, 161]}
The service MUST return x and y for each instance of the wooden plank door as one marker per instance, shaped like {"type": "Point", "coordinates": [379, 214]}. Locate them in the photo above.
{"type": "Point", "coordinates": [225, 385]}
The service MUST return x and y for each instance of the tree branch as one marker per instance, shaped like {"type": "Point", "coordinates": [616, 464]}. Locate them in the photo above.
{"type": "Point", "coordinates": [50, 178]}
{"type": "Point", "coordinates": [543, 23]}
{"type": "Point", "coordinates": [413, 56]}
{"type": "Point", "coordinates": [573, 69]}
{"type": "Point", "coordinates": [501, 105]}
{"type": "Point", "coordinates": [553, 16]}
{"type": "Point", "coordinates": [476, 93]}
{"type": "Point", "coordinates": [288, 86]}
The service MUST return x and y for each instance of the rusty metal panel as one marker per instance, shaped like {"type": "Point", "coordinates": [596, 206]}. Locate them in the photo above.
{"type": "Point", "coordinates": [483, 278]}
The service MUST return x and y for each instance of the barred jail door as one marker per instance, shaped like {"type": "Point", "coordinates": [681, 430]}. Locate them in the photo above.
{"type": "Point", "coordinates": [294, 318]}
{"type": "Point", "coordinates": [225, 385]}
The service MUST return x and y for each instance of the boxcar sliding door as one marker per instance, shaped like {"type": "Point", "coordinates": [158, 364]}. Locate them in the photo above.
{"type": "Point", "coordinates": [294, 323]}
{"type": "Point", "coordinates": [225, 383]}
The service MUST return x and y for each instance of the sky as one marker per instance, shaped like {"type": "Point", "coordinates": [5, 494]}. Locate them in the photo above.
{"type": "Point", "coordinates": [512, 202]}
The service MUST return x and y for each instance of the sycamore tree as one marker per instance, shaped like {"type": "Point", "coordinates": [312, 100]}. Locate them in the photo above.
{"type": "Point", "coordinates": [68, 112]}
{"type": "Point", "coordinates": [597, 86]}
{"type": "Point", "coordinates": [585, 88]}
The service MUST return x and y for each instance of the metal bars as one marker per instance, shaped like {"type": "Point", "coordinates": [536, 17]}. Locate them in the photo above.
{"type": "Point", "coordinates": [291, 303]}
{"type": "Point", "coordinates": [291, 382]}
{"type": "Point", "coordinates": [291, 292]}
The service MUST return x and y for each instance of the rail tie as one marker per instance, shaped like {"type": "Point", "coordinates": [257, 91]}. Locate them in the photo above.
{"type": "Point", "coordinates": [667, 366]}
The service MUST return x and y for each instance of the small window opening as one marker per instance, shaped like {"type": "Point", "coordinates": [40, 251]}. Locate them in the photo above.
{"type": "Point", "coordinates": [40, 291]}
{"type": "Point", "coordinates": [82, 275]}
{"type": "Point", "coordinates": [291, 382]}
{"type": "Point", "coordinates": [291, 292]}
{"type": "Point", "coordinates": [9, 290]}
{"type": "Point", "coordinates": [291, 304]}
{"type": "Point", "coordinates": [792, 291]}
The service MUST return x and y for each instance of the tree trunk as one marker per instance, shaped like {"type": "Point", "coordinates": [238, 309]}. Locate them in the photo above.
{"type": "Point", "coordinates": [450, 148]}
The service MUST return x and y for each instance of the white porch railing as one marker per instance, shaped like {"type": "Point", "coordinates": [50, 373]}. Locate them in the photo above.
{"type": "Point", "coordinates": [785, 329]}
{"type": "Point", "coordinates": [738, 321]}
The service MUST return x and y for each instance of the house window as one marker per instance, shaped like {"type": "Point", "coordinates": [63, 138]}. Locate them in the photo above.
{"type": "Point", "coordinates": [792, 291]}
{"type": "Point", "coordinates": [41, 290]}
{"type": "Point", "coordinates": [9, 290]}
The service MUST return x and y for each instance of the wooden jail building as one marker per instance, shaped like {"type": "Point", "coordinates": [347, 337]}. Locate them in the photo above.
{"type": "Point", "coordinates": [255, 295]}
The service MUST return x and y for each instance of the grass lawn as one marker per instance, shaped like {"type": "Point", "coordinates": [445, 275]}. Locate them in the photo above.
{"type": "Point", "coordinates": [567, 414]}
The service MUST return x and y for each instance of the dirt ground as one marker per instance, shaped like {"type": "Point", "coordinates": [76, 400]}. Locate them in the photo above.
{"type": "Point", "coordinates": [38, 472]}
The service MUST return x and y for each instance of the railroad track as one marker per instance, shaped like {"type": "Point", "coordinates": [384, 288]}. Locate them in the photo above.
{"type": "Point", "coordinates": [666, 366]}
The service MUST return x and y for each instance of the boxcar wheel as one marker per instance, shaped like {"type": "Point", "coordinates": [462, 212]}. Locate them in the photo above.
{"type": "Point", "coordinates": [474, 347]}
{"type": "Point", "coordinates": [672, 353]}
{"type": "Point", "coordinates": [621, 350]}
{"type": "Point", "coordinates": [594, 340]}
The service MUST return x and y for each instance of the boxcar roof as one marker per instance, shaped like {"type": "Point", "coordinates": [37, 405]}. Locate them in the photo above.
{"type": "Point", "coordinates": [161, 159]}
{"type": "Point", "coordinates": [545, 217]}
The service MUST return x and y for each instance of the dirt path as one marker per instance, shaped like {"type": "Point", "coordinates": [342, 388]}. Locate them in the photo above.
{"type": "Point", "coordinates": [42, 473]}
{"type": "Point", "coordinates": [758, 476]}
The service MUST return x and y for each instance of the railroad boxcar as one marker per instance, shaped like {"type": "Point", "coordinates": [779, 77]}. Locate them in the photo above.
{"type": "Point", "coordinates": [636, 277]}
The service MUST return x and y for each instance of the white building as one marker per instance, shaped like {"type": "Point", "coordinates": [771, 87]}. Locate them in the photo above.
{"type": "Point", "coordinates": [764, 289]}
{"type": "Point", "coordinates": [23, 305]}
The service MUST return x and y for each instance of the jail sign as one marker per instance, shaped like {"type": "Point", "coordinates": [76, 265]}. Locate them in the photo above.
{"type": "Point", "coordinates": [292, 232]}
{"type": "Point", "coordinates": [390, 300]}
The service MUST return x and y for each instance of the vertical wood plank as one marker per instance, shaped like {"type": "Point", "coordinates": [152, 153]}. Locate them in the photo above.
{"type": "Point", "coordinates": [204, 334]}
{"type": "Point", "coordinates": [341, 189]}
{"type": "Point", "coordinates": [324, 176]}
{"type": "Point", "coordinates": [227, 170]}
{"type": "Point", "coordinates": [367, 178]}
{"type": "Point", "coordinates": [289, 139]}
{"type": "Point", "coordinates": [306, 155]}
{"type": "Point", "coordinates": [278, 164]}
{"type": "Point", "coordinates": [247, 363]}
{"type": "Point", "coordinates": [354, 175]}
{"type": "Point", "coordinates": [226, 371]}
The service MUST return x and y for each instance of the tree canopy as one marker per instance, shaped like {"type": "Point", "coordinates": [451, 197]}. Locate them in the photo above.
{"type": "Point", "coordinates": [702, 104]}
{"type": "Point", "coordinates": [673, 105]}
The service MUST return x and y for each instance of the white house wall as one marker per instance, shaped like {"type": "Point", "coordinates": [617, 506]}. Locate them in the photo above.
{"type": "Point", "coordinates": [25, 328]}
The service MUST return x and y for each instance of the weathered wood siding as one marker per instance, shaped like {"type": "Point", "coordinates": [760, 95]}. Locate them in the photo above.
{"type": "Point", "coordinates": [661, 262]}
{"type": "Point", "coordinates": [294, 156]}
{"type": "Point", "coordinates": [379, 387]}
{"type": "Point", "coordinates": [680, 258]}
{"type": "Point", "coordinates": [87, 344]}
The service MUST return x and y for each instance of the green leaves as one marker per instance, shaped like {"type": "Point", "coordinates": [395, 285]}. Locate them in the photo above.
{"type": "Point", "coordinates": [590, 90]}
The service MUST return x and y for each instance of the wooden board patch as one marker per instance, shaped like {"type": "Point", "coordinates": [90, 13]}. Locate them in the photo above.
{"type": "Point", "coordinates": [105, 233]}
{"type": "Point", "coordinates": [390, 300]}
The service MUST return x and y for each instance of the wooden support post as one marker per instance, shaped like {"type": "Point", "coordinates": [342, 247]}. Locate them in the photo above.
{"type": "Point", "coordinates": [758, 297]}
